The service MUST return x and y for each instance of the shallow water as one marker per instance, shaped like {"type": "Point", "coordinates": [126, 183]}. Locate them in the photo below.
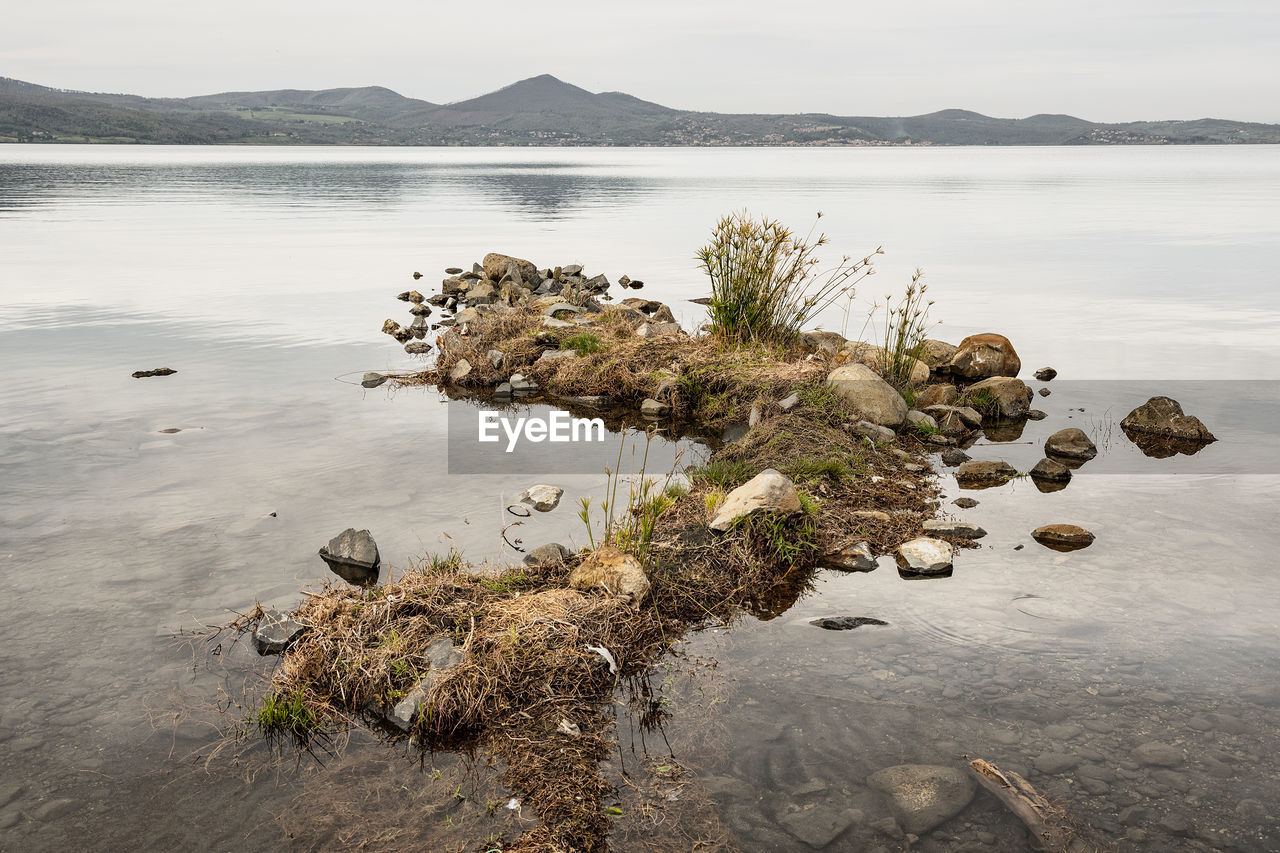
{"type": "Point", "coordinates": [263, 275]}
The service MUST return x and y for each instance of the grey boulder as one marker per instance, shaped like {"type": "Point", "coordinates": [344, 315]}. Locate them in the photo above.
{"type": "Point", "coordinates": [353, 556]}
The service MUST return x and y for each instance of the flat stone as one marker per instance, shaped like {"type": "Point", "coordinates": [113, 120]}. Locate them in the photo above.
{"type": "Point", "coordinates": [954, 456]}
{"type": "Point", "coordinates": [855, 558]}
{"type": "Point", "coordinates": [925, 556]}
{"type": "Point", "coordinates": [417, 348]}
{"type": "Point", "coordinates": [958, 529]}
{"type": "Point", "coordinates": [1052, 763]}
{"type": "Point", "coordinates": [460, 370]}
{"type": "Point", "coordinates": [965, 503]}
{"type": "Point", "coordinates": [654, 408]}
{"type": "Point", "coordinates": [1157, 754]}
{"type": "Point", "coordinates": [768, 491]}
{"type": "Point", "coordinates": [789, 402]}
{"type": "Point", "coordinates": [521, 385]}
{"type": "Point", "coordinates": [658, 330]}
{"type": "Point", "coordinates": [845, 623]}
{"type": "Point", "coordinates": [923, 796]}
{"type": "Point", "coordinates": [874, 514]}
{"type": "Point", "coordinates": [1063, 537]}
{"type": "Point", "coordinates": [276, 631]}
{"type": "Point", "coordinates": [920, 419]}
{"type": "Point", "coordinates": [818, 826]}
{"type": "Point", "coordinates": [985, 472]}
{"type": "Point", "coordinates": [541, 497]}
{"type": "Point", "coordinates": [875, 432]}
{"type": "Point", "coordinates": [372, 380]}
{"type": "Point", "coordinates": [556, 354]}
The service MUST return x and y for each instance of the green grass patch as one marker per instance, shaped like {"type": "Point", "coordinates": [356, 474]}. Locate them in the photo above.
{"type": "Point", "coordinates": [281, 715]}
{"type": "Point", "coordinates": [583, 343]}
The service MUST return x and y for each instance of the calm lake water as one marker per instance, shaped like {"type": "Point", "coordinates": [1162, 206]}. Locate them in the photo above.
{"type": "Point", "coordinates": [263, 277]}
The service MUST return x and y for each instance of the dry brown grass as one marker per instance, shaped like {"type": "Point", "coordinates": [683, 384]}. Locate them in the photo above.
{"type": "Point", "coordinates": [714, 383]}
{"type": "Point", "coordinates": [525, 665]}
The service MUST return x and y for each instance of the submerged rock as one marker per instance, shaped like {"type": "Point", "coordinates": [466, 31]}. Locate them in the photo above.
{"type": "Point", "coordinates": [275, 632]}
{"type": "Point", "coordinates": [768, 491]}
{"type": "Point", "coordinates": [1062, 537]}
{"type": "Point", "coordinates": [984, 356]}
{"type": "Point", "coordinates": [875, 399]}
{"type": "Point", "coordinates": [923, 796]}
{"type": "Point", "coordinates": [542, 497]}
{"type": "Point", "coordinates": [965, 503]}
{"type": "Point", "coordinates": [1071, 443]}
{"type": "Point", "coordinates": [614, 571]}
{"type": "Point", "coordinates": [1156, 754]}
{"type": "Point", "coordinates": [925, 556]}
{"type": "Point", "coordinates": [845, 623]}
{"type": "Point", "coordinates": [353, 556]}
{"type": "Point", "coordinates": [159, 371]}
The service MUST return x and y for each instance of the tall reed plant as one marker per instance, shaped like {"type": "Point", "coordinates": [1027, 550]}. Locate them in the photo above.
{"type": "Point", "coordinates": [906, 323]}
{"type": "Point", "coordinates": [764, 283]}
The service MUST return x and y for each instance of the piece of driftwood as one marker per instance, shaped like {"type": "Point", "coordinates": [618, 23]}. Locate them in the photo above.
{"type": "Point", "coordinates": [1043, 821]}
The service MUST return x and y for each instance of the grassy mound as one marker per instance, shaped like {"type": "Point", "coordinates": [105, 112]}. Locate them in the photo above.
{"type": "Point", "coordinates": [530, 687]}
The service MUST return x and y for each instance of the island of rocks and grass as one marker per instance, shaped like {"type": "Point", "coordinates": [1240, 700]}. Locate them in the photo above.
{"type": "Point", "coordinates": [834, 469]}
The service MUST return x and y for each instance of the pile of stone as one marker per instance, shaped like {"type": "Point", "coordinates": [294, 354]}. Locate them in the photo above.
{"type": "Point", "coordinates": [502, 281]}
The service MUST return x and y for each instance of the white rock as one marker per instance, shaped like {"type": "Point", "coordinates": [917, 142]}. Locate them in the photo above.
{"type": "Point", "coordinates": [769, 491]}
{"type": "Point", "coordinates": [925, 555]}
{"type": "Point", "coordinates": [541, 497]}
{"type": "Point", "coordinates": [870, 395]}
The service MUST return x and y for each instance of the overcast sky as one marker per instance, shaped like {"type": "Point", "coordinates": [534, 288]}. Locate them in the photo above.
{"type": "Point", "coordinates": [1106, 60]}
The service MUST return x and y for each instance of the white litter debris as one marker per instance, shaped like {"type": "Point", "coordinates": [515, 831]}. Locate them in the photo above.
{"type": "Point", "coordinates": [608, 657]}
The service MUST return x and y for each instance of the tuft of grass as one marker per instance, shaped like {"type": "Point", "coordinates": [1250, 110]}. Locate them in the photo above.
{"type": "Point", "coordinates": [905, 325]}
{"type": "Point", "coordinates": [724, 474]}
{"type": "Point", "coordinates": [983, 401]}
{"type": "Point", "coordinates": [287, 714]}
{"type": "Point", "coordinates": [583, 343]}
{"type": "Point", "coordinates": [764, 285]}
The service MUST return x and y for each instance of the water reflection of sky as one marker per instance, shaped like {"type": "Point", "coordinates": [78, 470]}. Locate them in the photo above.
{"type": "Point", "coordinates": [263, 277]}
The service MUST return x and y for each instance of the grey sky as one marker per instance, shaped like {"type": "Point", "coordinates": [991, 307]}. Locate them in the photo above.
{"type": "Point", "coordinates": [1106, 61]}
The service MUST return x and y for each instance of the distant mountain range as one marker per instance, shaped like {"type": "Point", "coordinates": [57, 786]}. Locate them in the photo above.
{"type": "Point", "coordinates": [539, 111]}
